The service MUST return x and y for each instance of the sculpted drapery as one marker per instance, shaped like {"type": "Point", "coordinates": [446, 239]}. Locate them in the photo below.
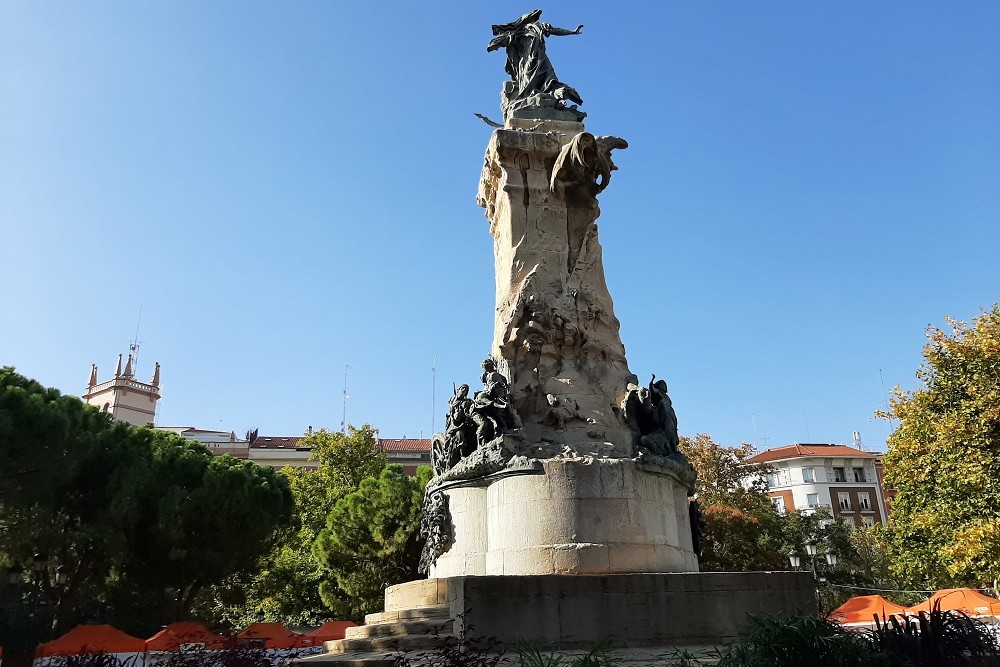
{"type": "Point", "coordinates": [533, 81]}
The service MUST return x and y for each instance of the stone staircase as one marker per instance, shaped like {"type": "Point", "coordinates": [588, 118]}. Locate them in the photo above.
{"type": "Point", "coordinates": [416, 618]}
{"type": "Point", "coordinates": [404, 630]}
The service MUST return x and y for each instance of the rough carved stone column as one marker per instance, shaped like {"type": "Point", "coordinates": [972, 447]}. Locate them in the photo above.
{"type": "Point", "coordinates": [561, 464]}
{"type": "Point", "coordinates": [555, 334]}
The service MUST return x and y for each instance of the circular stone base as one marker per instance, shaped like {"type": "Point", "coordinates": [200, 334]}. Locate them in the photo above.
{"type": "Point", "coordinates": [582, 516]}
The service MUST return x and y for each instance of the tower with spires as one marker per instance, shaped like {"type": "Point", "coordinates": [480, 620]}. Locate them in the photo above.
{"type": "Point", "coordinates": [125, 397]}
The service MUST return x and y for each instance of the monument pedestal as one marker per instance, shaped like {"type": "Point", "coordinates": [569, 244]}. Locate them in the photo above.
{"type": "Point", "coordinates": [579, 516]}
{"type": "Point", "coordinates": [678, 609]}
{"type": "Point", "coordinates": [689, 609]}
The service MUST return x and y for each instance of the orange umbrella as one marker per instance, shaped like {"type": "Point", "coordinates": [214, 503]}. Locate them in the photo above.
{"type": "Point", "coordinates": [328, 632]}
{"type": "Point", "coordinates": [91, 639]}
{"type": "Point", "coordinates": [177, 635]}
{"type": "Point", "coordinates": [967, 600]}
{"type": "Point", "coordinates": [863, 609]}
{"type": "Point", "coordinates": [273, 635]}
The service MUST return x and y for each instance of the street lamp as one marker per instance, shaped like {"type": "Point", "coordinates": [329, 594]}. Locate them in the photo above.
{"type": "Point", "coordinates": [61, 575]}
{"type": "Point", "coordinates": [38, 564]}
{"type": "Point", "coordinates": [812, 550]}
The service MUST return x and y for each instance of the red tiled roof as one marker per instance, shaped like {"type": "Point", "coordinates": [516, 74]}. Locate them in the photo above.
{"type": "Point", "coordinates": [277, 442]}
{"type": "Point", "coordinates": [405, 445]}
{"type": "Point", "coordinates": [809, 449]}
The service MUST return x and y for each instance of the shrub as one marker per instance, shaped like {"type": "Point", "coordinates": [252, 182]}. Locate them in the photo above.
{"type": "Point", "coordinates": [801, 640]}
{"type": "Point", "coordinates": [936, 638]}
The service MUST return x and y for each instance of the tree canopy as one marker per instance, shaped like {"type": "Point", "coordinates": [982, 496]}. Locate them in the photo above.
{"type": "Point", "coordinates": [741, 530]}
{"type": "Point", "coordinates": [285, 584]}
{"type": "Point", "coordinates": [943, 459]}
{"type": "Point", "coordinates": [138, 519]}
{"type": "Point", "coordinates": [372, 541]}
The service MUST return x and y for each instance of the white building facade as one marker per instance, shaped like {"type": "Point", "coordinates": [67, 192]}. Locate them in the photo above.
{"type": "Point", "coordinates": [842, 479]}
{"type": "Point", "coordinates": [218, 442]}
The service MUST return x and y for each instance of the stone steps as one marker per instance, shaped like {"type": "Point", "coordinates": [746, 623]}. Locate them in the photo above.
{"type": "Point", "coordinates": [348, 660]}
{"type": "Point", "coordinates": [418, 614]}
{"type": "Point", "coordinates": [417, 618]}
{"type": "Point", "coordinates": [432, 626]}
{"type": "Point", "coordinates": [387, 643]}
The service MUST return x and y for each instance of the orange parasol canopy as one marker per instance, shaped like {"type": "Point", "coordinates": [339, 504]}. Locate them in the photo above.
{"type": "Point", "coordinates": [274, 635]}
{"type": "Point", "coordinates": [967, 600]}
{"type": "Point", "coordinates": [863, 609]}
{"type": "Point", "coordinates": [176, 635]}
{"type": "Point", "coordinates": [91, 639]}
{"type": "Point", "coordinates": [328, 632]}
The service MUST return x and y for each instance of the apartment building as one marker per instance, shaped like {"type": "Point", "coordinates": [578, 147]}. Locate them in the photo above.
{"type": "Point", "coordinates": [280, 451]}
{"type": "Point", "coordinates": [840, 478]}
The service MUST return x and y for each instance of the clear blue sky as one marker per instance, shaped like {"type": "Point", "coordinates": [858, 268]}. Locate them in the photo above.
{"type": "Point", "coordinates": [289, 188]}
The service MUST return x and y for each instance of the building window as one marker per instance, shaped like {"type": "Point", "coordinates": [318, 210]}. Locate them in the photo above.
{"type": "Point", "coordinates": [779, 504]}
{"type": "Point", "coordinates": [812, 499]}
{"type": "Point", "coordinates": [807, 475]}
{"type": "Point", "coordinates": [848, 521]}
{"type": "Point", "coordinates": [864, 502]}
{"type": "Point", "coordinates": [772, 479]}
{"type": "Point", "coordinates": [838, 475]}
{"type": "Point", "coordinates": [845, 501]}
{"type": "Point", "coordinates": [859, 475]}
{"type": "Point", "coordinates": [868, 520]}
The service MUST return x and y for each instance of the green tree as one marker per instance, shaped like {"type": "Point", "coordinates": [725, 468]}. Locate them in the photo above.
{"type": "Point", "coordinates": [943, 459]}
{"type": "Point", "coordinates": [372, 541]}
{"type": "Point", "coordinates": [874, 566]}
{"type": "Point", "coordinates": [69, 475]}
{"type": "Point", "coordinates": [345, 458]}
{"type": "Point", "coordinates": [203, 519]}
{"type": "Point", "coordinates": [286, 583]}
{"type": "Point", "coordinates": [132, 516]}
{"type": "Point", "coordinates": [828, 535]}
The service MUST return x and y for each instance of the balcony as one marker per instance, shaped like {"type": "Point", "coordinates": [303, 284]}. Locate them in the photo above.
{"type": "Point", "coordinates": [817, 506]}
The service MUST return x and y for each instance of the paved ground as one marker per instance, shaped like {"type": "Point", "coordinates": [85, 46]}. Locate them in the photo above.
{"type": "Point", "coordinates": [650, 656]}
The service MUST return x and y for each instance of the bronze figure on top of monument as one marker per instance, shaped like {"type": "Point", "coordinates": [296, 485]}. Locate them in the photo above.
{"type": "Point", "coordinates": [534, 90]}
{"type": "Point", "coordinates": [557, 392]}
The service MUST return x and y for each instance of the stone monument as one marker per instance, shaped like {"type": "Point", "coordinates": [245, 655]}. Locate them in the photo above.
{"type": "Point", "coordinates": [563, 463]}
{"type": "Point", "coordinates": [558, 511]}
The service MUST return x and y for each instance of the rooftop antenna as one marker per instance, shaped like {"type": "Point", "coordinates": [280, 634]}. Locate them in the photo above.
{"type": "Point", "coordinates": [806, 420]}
{"type": "Point", "coordinates": [343, 421]}
{"type": "Point", "coordinates": [857, 440]}
{"type": "Point", "coordinates": [433, 394]}
{"type": "Point", "coordinates": [133, 347]}
{"type": "Point", "coordinates": [753, 418]}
